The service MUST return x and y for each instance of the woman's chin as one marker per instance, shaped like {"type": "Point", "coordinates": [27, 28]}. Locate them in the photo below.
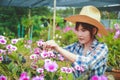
{"type": "Point", "coordinates": [81, 41]}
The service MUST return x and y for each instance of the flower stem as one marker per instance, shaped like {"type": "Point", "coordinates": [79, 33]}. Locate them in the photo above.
{"type": "Point", "coordinates": [66, 76]}
{"type": "Point", "coordinates": [52, 76]}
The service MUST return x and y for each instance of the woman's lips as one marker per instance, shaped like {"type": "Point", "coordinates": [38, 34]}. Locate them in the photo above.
{"type": "Point", "coordinates": [80, 38]}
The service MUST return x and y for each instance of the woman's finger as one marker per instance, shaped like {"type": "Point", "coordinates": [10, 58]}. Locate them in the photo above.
{"type": "Point", "coordinates": [44, 45]}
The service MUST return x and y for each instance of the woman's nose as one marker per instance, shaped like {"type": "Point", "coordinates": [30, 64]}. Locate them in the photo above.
{"type": "Point", "coordinates": [79, 33]}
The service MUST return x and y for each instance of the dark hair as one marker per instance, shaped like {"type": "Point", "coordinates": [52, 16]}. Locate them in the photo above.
{"type": "Point", "coordinates": [88, 27]}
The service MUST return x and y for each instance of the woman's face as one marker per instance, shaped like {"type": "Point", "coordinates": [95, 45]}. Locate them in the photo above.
{"type": "Point", "coordinates": [83, 35]}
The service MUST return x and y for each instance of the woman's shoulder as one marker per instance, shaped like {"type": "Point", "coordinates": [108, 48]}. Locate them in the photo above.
{"type": "Point", "coordinates": [102, 45]}
{"type": "Point", "coordinates": [97, 43]}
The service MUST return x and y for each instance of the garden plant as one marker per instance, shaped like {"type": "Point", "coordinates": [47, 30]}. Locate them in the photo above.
{"type": "Point", "coordinates": [24, 59]}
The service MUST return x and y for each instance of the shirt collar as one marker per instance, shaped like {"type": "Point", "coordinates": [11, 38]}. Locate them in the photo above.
{"type": "Point", "coordinates": [94, 43]}
{"type": "Point", "coordinates": [79, 44]}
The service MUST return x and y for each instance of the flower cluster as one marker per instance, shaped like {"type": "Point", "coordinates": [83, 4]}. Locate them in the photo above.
{"type": "Point", "coordinates": [102, 77]}
{"type": "Point", "coordinates": [3, 77]}
{"type": "Point", "coordinates": [24, 76]}
{"type": "Point", "coordinates": [117, 33]}
{"type": "Point", "coordinates": [45, 64]}
{"type": "Point", "coordinates": [50, 66]}
{"type": "Point", "coordinates": [6, 47]}
{"type": "Point", "coordinates": [50, 60]}
{"type": "Point", "coordinates": [67, 28]}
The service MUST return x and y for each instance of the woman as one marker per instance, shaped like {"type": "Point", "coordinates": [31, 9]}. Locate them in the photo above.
{"type": "Point", "coordinates": [88, 52]}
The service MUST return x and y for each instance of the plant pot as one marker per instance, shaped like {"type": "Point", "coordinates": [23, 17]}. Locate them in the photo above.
{"type": "Point", "coordinates": [115, 75]}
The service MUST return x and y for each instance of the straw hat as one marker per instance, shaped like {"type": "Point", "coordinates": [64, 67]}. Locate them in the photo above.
{"type": "Point", "coordinates": [90, 15]}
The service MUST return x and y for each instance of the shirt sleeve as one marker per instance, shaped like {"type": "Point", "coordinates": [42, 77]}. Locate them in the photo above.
{"type": "Point", "coordinates": [96, 59]}
{"type": "Point", "coordinates": [70, 47]}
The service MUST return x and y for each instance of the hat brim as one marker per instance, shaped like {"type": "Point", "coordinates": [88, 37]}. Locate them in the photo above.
{"type": "Point", "coordinates": [86, 19]}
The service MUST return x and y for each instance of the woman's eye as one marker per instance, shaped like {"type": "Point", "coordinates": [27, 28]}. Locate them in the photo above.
{"type": "Point", "coordinates": [83, 30]}
{"type": "Point", "coordinates": [76, 30]}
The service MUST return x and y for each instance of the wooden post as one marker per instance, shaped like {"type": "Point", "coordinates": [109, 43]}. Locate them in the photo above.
{"type": "Point", "coordinates": [54, 17]}
{"type": "Point", "coordinates": [49, 30]}
{"type": "Point", "coordinates": [30, 27]}
{"type": "Point", "coordinates": [73, 10]}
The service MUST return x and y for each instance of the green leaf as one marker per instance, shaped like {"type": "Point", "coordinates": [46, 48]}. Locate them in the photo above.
{"type": "Point", "coordinates": [14, 70]}
{"type": "Point", "coordinates": [11, 66]}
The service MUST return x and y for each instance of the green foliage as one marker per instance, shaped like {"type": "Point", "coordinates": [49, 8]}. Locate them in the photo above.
{"type": "Point", "coordinates": [43, 34]}
{"type": "Point", "coordinates": [67, 38]}
{"type": "Point", "coordinates": [114, 51]}
{"type": "Point", "coordinates": [14, 63]}
{"type": "Point", "coordinates": [60, 22]}
{"type": "Point", "coordinates": [27, 22]}
{"type": "Point", "coordinates": [11, 16]}
{"type": "Point", "coordinates": [42, 11]}
{"type": "Point", "coordinates": [65, 12]}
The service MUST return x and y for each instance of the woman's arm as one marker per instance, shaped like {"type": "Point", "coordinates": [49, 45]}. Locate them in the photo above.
{"type": "Point", "coordinates": [68, 55]}
{"type": "Point", "coordinates": [90, 61]}
{"type": "Point", "coordinates": [52, 45]}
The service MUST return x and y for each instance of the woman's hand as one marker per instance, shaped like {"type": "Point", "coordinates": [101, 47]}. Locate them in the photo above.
{"type": "Point", "coordinates": [50, 45]}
